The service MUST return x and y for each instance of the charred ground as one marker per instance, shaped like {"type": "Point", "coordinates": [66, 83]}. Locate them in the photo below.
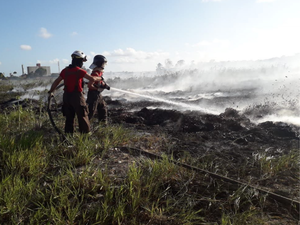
{"type": "Point", "coordinates": [228, 144]}
{"type": "Point", "coordinates": [230, 140]}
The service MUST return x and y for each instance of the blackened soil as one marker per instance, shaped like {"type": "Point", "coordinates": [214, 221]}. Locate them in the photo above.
{"type": "Point", "coordinates": [234, 146]}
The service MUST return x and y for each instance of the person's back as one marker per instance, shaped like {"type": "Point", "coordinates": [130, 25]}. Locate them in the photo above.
{"type": "Point", "coordinates": [73, 98]}
{"type": "Point", "coordinates": [73, 78]}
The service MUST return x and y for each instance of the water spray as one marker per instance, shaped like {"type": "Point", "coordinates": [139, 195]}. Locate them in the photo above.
{"type": "Point", "coordinates": [181, 104]}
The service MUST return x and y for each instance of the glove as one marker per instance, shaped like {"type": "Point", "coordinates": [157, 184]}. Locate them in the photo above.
{"type": "Point", "coordinates": [104, 85]}
{"type": "Point", "coordinates": [107, 87]}
{"type": "Point", "coordinates": [50, 95]}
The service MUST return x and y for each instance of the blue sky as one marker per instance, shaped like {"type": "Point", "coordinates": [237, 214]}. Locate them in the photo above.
{"type": "Point", "coordinates": [136, 35]}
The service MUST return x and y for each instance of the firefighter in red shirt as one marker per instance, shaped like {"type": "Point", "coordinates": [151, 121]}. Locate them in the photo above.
{"type": "Point", "coordinates": [95, 100]}
{"type": "Point", "coordinates": [73, 98]}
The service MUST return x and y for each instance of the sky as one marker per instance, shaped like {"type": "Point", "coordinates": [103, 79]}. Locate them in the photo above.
{"type": "Point", "coordinates": [136, 35]}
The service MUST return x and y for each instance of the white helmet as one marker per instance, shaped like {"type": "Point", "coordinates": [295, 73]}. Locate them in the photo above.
{"type": "Point", "coordinates": [79, 55]}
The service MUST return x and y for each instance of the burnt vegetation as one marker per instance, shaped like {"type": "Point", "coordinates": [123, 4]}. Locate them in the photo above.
{"type": "Point", "coordinates": [92, 180]}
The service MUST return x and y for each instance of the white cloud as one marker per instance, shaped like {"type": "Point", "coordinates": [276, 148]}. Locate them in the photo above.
{"type": "Point", "coordinates": [203, 43]}
{"type": "Point", "coordinates": [130, 55]}
{"type": "Point", "coordinates": [74, 33]}
{"type": "Point", "coordinates": [130, 59]}
{"type": "Point", "coordinates": [262, 1]}
{"type": "Point", "coordinates": [212, 43]}
{"type": "Point", "coordinates": [54, 61]}
{"type": "Point", "coordinates": [44, 33]}
{"type": "Point", "coordinates": [65, 61]}
{"type": "Point", "coordinates": [25, 47]}
{"type": "Point", "coordinates": [221, 43]}
{"type": "Point", "coordinates": [0, 63]}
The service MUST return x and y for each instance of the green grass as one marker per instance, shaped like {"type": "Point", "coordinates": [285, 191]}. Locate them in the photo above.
{"type": "Point", "coordinates": [44, 181]}
{"type": "Point", "coordinates": [5, 92]}
{"type": "Point", "coordinates": [272, 166]}
{"type": "Point", "coordinates": [41, 182]}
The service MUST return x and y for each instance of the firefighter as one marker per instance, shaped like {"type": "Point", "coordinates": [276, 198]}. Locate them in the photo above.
{"type": "Point", "coordinates": [73, 98]}
{"type": "Point", "coordinates": [95, 100]}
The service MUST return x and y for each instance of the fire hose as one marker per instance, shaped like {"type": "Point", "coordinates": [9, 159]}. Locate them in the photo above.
{"type": "Point", "coordinates": [51, 99]}
{"type": "Point", "coordinates": [61, 134]}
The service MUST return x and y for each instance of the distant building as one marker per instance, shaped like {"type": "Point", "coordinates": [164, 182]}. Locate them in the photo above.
{"type": "Point", "coordinates": [32, 69]}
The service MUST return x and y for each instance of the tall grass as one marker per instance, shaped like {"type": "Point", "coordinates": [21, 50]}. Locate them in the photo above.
{"type": "Point", "coordinates": [44, 181]}
{"type": "Point", "coordinates": [272, 166]}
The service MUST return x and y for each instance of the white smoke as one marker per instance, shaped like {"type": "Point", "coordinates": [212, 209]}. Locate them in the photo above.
{"type": "Point", "coordinates": [262, 90]}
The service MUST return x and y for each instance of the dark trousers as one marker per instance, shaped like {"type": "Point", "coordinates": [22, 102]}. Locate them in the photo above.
{"type": "Point", "coordinates": [95, 103]}
{"type": "Point", "coordinates": [74, 104]}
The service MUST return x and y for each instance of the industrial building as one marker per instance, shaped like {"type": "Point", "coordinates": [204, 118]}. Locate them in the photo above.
{"type": "Point", "coordinates": [32, 69]}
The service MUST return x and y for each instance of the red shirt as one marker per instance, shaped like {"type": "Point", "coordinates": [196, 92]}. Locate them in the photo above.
{"type": "Point", "coordinates": [97, 73]}
{"type": "Point", "coordinates": [73, 77]}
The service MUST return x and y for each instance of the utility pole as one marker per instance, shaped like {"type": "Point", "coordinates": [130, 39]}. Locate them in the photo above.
{"type": "Point", "coordinates": [58, 67]}
{"type": "Point", "coordinates": [22, 69]}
